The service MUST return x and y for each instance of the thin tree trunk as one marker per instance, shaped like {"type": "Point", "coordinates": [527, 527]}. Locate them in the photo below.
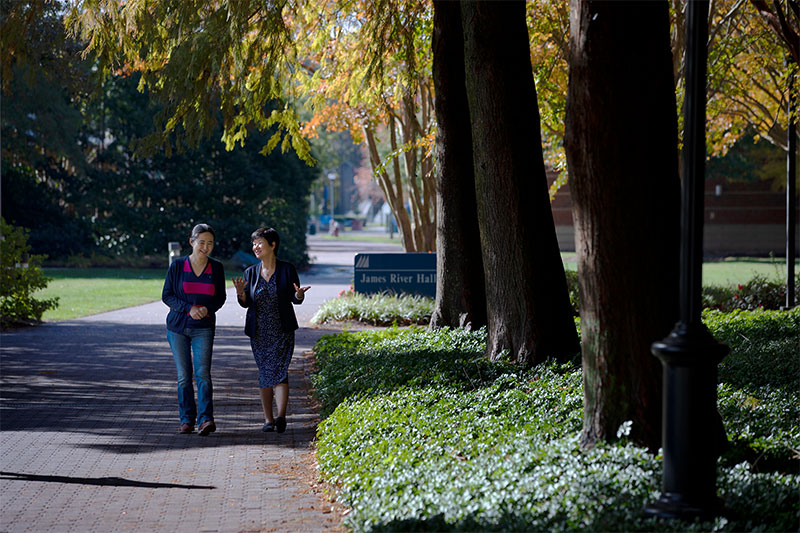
{"type": "Point", "coordinates": [621, 143]}
{"type": "Point", "coordinates": [427, 174]}
{"type": "Point", "coordinates": [403, 219]}
{"type": "Point", "coordinates": [413, 157]}
{"type": "Point", "coordinates": [409, 137]}
{"type": "Point", "coordinates": [394, 197]}
{"type": "Point", "coordinates": [526, 290]}
{"type": "Point", "coordinates": [460, 291]}
{"type": "Point", "coordinates": [429, 192]}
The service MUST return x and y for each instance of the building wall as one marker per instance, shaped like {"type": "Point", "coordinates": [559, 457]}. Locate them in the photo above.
{"type": "Point", "coordinates": [740, 219]}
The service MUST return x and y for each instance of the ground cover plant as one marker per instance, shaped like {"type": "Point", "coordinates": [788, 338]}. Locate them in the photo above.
{"type": "Point", "coordinates": [422, 433]}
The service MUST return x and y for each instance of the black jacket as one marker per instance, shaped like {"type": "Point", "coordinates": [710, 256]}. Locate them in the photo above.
{"type": "Point", "coordinates": [180, 303]}
{"type": "Point", "coordinates": [285, 280]}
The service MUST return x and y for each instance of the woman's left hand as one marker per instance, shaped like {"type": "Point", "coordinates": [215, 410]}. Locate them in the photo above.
{"type": "Point", "coordinates": [198, 312]}
{"type": "Point", "coordinates": [300, 292]}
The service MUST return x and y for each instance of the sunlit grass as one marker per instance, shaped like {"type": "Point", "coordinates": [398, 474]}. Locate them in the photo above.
{"type": "Point", "coordinates": [733, 270]}
{"type": "Point", "coordinates": [358, 236]}
{"type": "Point", "coordinates": [88, 291]}
{"type": "Point", "coordinates": [724, 272]}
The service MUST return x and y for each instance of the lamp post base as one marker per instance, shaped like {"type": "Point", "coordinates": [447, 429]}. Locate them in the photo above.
{"type": "Point", "coordinates": [693, 433]}
{"type": "Point", "coordinates": [673, 506]}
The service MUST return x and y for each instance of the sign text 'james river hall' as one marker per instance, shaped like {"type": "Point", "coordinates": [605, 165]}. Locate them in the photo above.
{"type": "Point", "coordinates": [409, 273]}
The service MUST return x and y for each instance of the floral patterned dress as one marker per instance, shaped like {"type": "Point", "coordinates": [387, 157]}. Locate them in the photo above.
{"type": "Point", "coordinates": [272, 347]}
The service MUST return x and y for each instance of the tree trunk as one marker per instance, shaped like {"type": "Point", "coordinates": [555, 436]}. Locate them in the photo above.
{"type": "Point", "coordinates": [393, 197]}
{"type": "Point", "coordinates": [410, 135]}
{"type": "Point", "coordinates": [399, 207]}
{"type": "Point", "coordinates": [526, 290]}
{"type": "Point", "coordinates": [460, 291]}
{"type": "Point", "coordinates": [621, 143]}
{"type": "Point", "coordinates": [428, 175]}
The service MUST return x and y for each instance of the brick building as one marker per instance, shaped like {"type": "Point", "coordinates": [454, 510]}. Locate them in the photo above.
{"type": "Point", "coordinates": [747, 218]}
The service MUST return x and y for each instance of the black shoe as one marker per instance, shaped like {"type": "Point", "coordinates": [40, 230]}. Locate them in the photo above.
{"type": "Point", "coordinates": [207, 427]}
{"type": "Point", "coordinates": [280, 424]}
{"type": "Point", "coordinates": [268, 427]}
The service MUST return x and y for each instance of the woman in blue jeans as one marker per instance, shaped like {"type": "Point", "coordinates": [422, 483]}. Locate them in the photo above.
{"type": "Point", "coordinates": [194, 290]}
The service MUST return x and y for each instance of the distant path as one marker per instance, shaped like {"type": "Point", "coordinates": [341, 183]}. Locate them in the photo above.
{"type": "Point", "coordinates": [88, 420]}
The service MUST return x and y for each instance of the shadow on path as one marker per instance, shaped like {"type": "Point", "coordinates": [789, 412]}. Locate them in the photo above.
{"type": "Point", "coordinates": [100, 481]}
{"type": "Point", "coordinates": [118, 381]}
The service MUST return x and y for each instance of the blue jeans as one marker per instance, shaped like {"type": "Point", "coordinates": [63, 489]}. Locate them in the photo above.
{"type": "Point", "coordinates": [193, 348]}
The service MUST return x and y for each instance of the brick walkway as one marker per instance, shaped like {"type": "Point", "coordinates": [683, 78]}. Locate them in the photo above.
{"type": "Point", "coordinates": [88, 430]}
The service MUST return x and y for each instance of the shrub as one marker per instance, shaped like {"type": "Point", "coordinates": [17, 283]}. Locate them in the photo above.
{"type": "Point", "coordinates": [759, 292]}
{"type": "Point", "coordinates": [573, 286]}
{"type": "Point", "coordinates": [425, 434]}
{"type": "Point", "coordinates": [376, 309]}
{"type": "Point", "coordinates": [20, 277]}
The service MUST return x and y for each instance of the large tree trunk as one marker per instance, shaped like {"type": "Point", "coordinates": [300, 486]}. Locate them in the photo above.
{"type": "Point", "coordinates": [621, 143]}
{"type": "Point", "coordinates": [460, 291]}
{"type": "Point", "coordinates": [526, 290]}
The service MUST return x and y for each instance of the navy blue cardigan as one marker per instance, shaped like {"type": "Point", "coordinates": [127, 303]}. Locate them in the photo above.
{"type": "Point", "coordinates": [285, 280]}
{"type": "Point", "coordinates": [180, 303]}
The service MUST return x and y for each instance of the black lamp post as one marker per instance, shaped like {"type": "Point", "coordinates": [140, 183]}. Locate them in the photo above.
{"type": "Point", "coordinates": [791, 172]}
{"type": "Point", "coordinates": [692, 433]}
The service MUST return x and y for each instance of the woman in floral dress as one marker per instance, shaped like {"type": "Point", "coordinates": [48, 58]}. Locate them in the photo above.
{"type": "Point", "coordinates": [268, 289]}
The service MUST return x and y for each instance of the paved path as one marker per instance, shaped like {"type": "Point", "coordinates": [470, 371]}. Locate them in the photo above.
{"type": "Point", "coordinates": [88, 420]}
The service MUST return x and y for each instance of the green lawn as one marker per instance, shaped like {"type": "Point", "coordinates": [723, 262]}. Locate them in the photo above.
{"type": "Point", "coordinates": [731, 271]}
{"type": "Point", "coordinates": [728, 271]}
{"type": "Point", "coordinates": [88, 291]}
{"type": "Point", "coordinates": [362, 237]}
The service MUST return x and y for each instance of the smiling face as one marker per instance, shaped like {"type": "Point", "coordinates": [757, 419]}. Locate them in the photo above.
{"type": "Point", "coordinates": [263, 249]}
{"type": "Point", "coordinates": [202, 244]}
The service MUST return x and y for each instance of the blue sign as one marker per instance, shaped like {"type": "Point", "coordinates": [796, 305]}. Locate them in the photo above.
{"type": "Point", "coordinates": [409, 273]}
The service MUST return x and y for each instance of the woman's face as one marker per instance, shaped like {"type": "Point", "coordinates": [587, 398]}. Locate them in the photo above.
{"type": "Point", "coordinates": [203, 244]}
{"type": "Point", "coordinates": [262, 249]}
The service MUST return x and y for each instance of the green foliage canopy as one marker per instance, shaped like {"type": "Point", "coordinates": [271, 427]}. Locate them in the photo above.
{"type": "Point", "coordinates": [142, 203]}
{"type": "Point", "coordinates": [68, 165]}
{"type": "Point", "coordinates": [194, 57]}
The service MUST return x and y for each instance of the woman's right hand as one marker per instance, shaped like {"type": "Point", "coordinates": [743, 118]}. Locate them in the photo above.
{"type": "Point", "coordinates": [239, 284]}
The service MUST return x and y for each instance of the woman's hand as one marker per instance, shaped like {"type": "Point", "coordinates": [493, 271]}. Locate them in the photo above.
{"type": "Point", "coordinates": [239, 284]}
{"type": "Point", "coordinates": [300, 292]}
{"type": "Point", "coordinates": [198, 312]}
